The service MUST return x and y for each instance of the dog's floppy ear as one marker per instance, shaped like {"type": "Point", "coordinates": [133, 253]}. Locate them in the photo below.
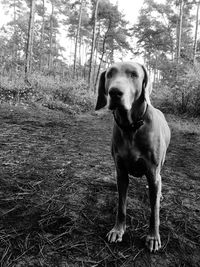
{"type": "Point", "coordinates": [146, 86]}
{"type": "Point", "coordinates": [102, 94]}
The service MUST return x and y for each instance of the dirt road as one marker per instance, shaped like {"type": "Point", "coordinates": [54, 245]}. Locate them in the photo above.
{"type": "Point", "coordinates": [58, 193]}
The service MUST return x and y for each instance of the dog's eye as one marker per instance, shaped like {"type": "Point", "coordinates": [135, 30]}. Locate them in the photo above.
{"type": "Point", "coordinates": [133, 74]}
{"type": "Point", "coordinates": [111, 72]}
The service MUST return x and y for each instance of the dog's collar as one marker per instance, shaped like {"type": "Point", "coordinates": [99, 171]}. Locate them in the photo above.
{"type": "Point", "coordinates": [134, 126]}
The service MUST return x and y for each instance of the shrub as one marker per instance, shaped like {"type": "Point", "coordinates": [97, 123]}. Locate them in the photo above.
{"type": "Point", "coordinates": [182, 82]}
{"type": "Point", "coordinates": [186, 91]}
{"type": "Point", "coordinates": [70, 96]}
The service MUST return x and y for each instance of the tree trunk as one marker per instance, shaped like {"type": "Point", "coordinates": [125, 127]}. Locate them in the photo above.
{"type": "Point", "coordinates": [71, 52]}
{"type": "Point", "coordinates": [179, 32]}
{"type": "Point", "coordinates": [29, 41]}
{"type": "Point", "coordinates": [42, 37]}
{"type": "Point", "coordinates": [80, 58]}
{"type": "Point", "coordinates": [51, 37]}
{"type": "Point", "coordinates": [86, 48]}
{"type": "Point", "coordinates": [196, 32]}
{"type": "Point", "coordinates": [77, 38]}
{"type": "Point", "coordinates": [95, 61]}
{"type": "Point", "coordinates": [99, 68]}
{"type": "Point", "coordinates": [102, 55]}
{"type": "Point", "coordinates": [14, 56]}
{"type": "Point", "coordinates": [93, 46]}
{"type": "Point", "coordinates": [80, 53]}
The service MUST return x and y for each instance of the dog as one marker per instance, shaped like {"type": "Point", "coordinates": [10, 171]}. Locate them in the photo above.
{"type": "Point", "coordinates": [140, 140]}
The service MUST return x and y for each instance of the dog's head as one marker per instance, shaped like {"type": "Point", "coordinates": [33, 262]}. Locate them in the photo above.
{"type": "Point", "coordinates": [123, 84]}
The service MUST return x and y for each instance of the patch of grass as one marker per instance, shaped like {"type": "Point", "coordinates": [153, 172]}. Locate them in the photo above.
{"type": "Point", "coordinates": [72, 96]}
{"type": "Point", "coordinates": [184, 124]}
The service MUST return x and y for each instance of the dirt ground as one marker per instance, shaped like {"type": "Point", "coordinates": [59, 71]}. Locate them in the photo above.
{"type": "Point", "coordinates": [58, 193]}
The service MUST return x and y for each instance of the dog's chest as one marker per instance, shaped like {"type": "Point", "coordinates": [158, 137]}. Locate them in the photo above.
{"type": "Point", "coordinates": [133, 158]}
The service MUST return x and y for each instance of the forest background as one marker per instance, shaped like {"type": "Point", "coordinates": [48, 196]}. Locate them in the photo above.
{"type": "Point", "coordinates": [35, 67]}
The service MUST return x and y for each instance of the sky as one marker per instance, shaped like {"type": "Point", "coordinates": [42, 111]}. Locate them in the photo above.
{"type": "Point", "coordinates": [130, 8]}
{"type": "Point", "coordinates": [3, 18]}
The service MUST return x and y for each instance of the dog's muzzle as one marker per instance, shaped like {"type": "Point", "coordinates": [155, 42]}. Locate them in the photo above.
{"type": "Point", "coordinates": [115, 98]}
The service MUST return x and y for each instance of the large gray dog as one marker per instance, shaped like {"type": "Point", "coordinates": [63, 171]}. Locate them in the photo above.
{"type": "Point", "coordinates": [140, 139]}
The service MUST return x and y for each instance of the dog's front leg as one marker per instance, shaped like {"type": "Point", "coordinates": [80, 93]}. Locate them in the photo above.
{"type": "Point", "coordinates": [153, 241]}
{"type": "Point", "coordinates": [115, 235]}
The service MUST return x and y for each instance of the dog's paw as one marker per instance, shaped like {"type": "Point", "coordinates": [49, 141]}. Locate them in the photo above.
{"type": "Point", "coordinates": [153, 242]}
{"type": "Point", "coordinates": [115, 235]}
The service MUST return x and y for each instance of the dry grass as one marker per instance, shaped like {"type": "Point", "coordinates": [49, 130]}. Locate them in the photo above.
{"type": "Point", "coordinates": [70, 96]}
{"type": "Point", "coordinates": [58, 194]}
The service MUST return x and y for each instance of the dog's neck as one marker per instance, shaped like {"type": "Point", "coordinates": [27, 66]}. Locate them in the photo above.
{"type": "Point", "coordinates": [131, 120]}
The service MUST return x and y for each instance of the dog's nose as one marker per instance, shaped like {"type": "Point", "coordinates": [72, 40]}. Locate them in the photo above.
{"type": "Point", "coordinates": [115, 93]}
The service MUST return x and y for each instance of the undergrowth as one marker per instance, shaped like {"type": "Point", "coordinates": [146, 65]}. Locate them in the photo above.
{"type": "Point", "coordinates": [71, 96]}
{"type": "Point", "coordinates": [178, 90]}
